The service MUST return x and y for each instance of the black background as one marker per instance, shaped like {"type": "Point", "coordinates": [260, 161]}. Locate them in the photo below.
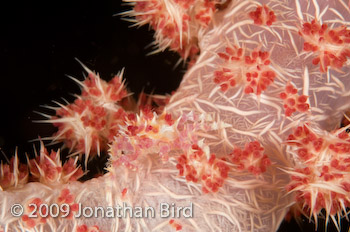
{"type": "Point", "coordinates": [38, 44]}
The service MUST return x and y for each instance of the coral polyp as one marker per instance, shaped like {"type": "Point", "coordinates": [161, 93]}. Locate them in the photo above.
{"type": "Point", "coordinates": [330, 45]}
{"type": "Point", "coordinates": [46, 168]}
{"type": "Point", "coordinates": [292, 101]}
{"type": "Point", "coordinates": [320, 178]}
{"type": "Point", "coordinates": [251, 158]}
{"type": "Point", "coordinates": [91, 121]}
{"type": "Point", "coordinates": [13, 174]}
{"type": "Point", "coordinates": [263, 16]}
{"type": "Point", "coordinates": [250, 71]}
{"type": "Point", "coordinates": [178, 24]}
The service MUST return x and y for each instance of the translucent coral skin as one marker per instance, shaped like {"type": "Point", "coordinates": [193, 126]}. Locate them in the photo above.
{"type": "Point", "coordinates": [245, 202]}
{"type": "Point", "coordinates": [264, 117]}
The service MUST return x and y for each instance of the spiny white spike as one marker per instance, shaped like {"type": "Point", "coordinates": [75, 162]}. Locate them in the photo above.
{"type": "Point", "coordinates": [122, 86]}
{"type": "Point", "coordinates": [84, 67]}
{"type": "Point", "coordinates": [44, 138]}
{"type": "Point", "coordinates": [58, 157]}
{"type": "Point", "coordinates": [35, 152]}
{"type": "Point", "coordinates": [42, 114]}
{"type": "Point", "coordinates": [120, 74]}
{"type": "Point", "coordinates": [49, 107]}
{"type": "Point", "coordinates": [127, 13]}
{"type": "Point", "coordinates": [1, 169]}
{"type": "Point", "coordinates": [138, 119]}
{"type": "Point", "coordinates": [298, 9]}
{"type": "Point", "coordinates": [99, 84]}
{"type": "Point", "coordinates": [42, 151]}
{"type": "Point", "coordinates": [317, 9]}
{"type": "Point", "coordinates": [3, 153]}
{"type": "Point", "coordinates": [39, 168]}
{"type": "Point", "coordinates": [74, 154]}
{"type": "Point", "coordinates": [98, 147]}
{"type": "Point", "coordinates": [15, 167]}
{"type": "Point", "coordinates": [65, 101]}
{"type": "Point", "coordinates": [67, 177]}
{"type": "Point", "coordinates": [129, 94]}
{"type": "Point", "coordinates": [87, 149]}
{"type": "Point", "coordinates": [80, 83]}
{"type": "Point", "coordinates": [336, 224]}
{"type": "Point", "coordinates": [60, 105]}
{"type": "Point", "coordinates": [58, 120]}
{"type": "Point", "coordinates": [27, 158]}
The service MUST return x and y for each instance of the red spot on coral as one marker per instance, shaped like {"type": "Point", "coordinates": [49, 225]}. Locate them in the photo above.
{"type": "Point", "coordinates": [212, 159]}
{"type": "Point", "coordinates": [168, 119]}
{"type": "Point", "coordinates": [125, 190]}
{"type": "Point", "coordinates": [67, 198]}
{"type": "Point", "coordinates": [346, 186]}
{"type": "Point", "coordinates": [175, 225]}
{"type": "Point", "coordinates": [257, 76]}
{"type": "Point", "coordinates": [85, 228]}
{"type": "Point", "coordinates": [35, 217]}
{"type": "Point", "coordinates": [31, 223]}
{"type": "Point", "coordinates": [82, 228]}
{"type": "Point", "coordinates": [248, 90]}
{"type": "Point", "coordinates": [196, 167]}
{"type": "Point", "coordinates": [252, 158]}
{"type": "Point", "coordinates": [224, 87]}
{"type": "Point", "coordinates": [263, 16]}
{"type": "Point", "coordinates": [25, 218]}
{"type": "Point", "coordinates": [327, 44]}
{"type": "Point", "coordinates": [292, 101]}
{"type": "Point", "coordinates": [223, 56]}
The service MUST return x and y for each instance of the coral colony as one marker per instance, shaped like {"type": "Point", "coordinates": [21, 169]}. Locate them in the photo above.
{"type": "Point", "coordinates": [252, 136]}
